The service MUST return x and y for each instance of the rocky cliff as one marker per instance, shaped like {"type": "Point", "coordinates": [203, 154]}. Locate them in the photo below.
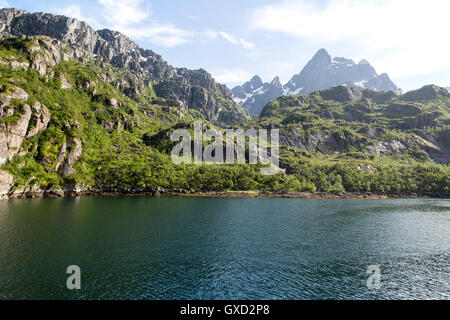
{"type": "Point", "coordinates": [191, 89]}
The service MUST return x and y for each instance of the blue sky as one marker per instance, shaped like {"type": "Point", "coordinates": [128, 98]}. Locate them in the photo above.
{"type": "Point", "coordinates": [234, 39]}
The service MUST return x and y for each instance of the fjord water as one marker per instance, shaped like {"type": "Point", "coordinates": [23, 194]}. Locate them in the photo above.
{"type": "Point", "coordinates": [218, 248]}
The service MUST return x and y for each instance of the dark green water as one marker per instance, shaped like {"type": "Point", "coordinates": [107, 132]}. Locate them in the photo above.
{"type": "Point", "coordinates": [201, 248]}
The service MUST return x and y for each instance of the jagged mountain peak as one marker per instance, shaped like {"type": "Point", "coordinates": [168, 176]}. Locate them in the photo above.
{"type": "Point", "coordinates": [276, 82]}
{"type": "Point", "coordinates": [363, 61]}
{"type": "Point", "coordinates": [256, 78]}
{"type": "Point", "coordinates": [256, 82]}
{"type": "Point", "coordinates": [255, 94]}
{"type": "Point", "coordinates": [321, 56]}
{"type": "Point", "coordinates": [322, 72]}
{"type": "Point", "coordinates": [117, 38]}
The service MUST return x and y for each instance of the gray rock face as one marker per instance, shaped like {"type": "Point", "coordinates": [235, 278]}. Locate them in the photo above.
{"type": "Point", "coordinates": [198, 90]}
{"type": "Point", "coordinates": [14, 22]}
{"type": "Point", "coordinates": [341, 94]}
{"type": "Point", "coordinates": [426, 93]}
{"type": "Point", "coordinates": [386, 147]}
{"type": "Point", "coordinates": [321, 72]}
{"type": "Point", "coordinates": [40, 117]}
{"type": "Point", "coordinates": [379, 97]}
{"type": "Point", "coordinates": [255, 94]}
{"type": "Point", "coordinates": [30, 121]}
{"type": "Point", "coordinates": [121, 52]}
{"type": "Point", "coordinates": [7, 94]}
{"type": "Point", "coordinates": [6, 182]}
{"type": "Point", "coordinates": [12, 135]}
{"type": "Point", "coordinates": [316, 142]}
{"type": "Point", "coordinates": [75, 147]}
{"type": "Point", "coordinates": [403, 110]}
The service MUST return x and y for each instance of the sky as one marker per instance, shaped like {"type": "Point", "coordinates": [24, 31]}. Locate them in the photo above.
{"type": "Point", "coordinates": [236, 39]}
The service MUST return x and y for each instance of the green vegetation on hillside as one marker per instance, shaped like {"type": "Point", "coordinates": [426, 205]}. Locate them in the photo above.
{"type": "Point", "coordinates": [125, 145]}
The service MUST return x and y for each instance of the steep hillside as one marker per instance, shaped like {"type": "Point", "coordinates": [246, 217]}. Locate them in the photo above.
{"type": "Point", "coordinates": [191, 89]}
{"type": "Point", "coordinates": [344, 119]}
{"type": "Point", "coordinates": [79, 114]}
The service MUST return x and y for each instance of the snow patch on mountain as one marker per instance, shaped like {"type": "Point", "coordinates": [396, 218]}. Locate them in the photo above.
{"type": "Point", "coordinates": [321, 72]}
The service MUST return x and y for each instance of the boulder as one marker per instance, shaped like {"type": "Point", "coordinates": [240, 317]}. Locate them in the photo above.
{"type": "Point", "coordinates": [367, 168]}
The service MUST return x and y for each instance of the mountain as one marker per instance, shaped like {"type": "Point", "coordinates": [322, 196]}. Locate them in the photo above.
{"type": "Point", "coordinates": [255, 94]}
{"type": "Point", "coordinates": [321, 72]}
{"type": "Point", "coordinates": [342, 119]}
{"type": "Point", "coordinates": [89, 112]}
{"type": "Point", "coordinates": [194, 89]}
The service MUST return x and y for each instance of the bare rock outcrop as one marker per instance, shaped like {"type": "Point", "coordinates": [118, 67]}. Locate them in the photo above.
{"type": "Point", "coordinates": [6, 182]}
{"type": "Point", "coordinates": [74, 147]}
{"type": "Point", "coordinates": [39, 119]}
{"type": "Point", "coordinates": [12, 135]}
{"type": "Point", "coordinates": [30, 121]}
{"type": "Point", "coordinates": [386, 147]}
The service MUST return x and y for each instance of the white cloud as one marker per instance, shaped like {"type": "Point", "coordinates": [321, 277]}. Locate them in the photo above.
{"type": "Point", "coordinates": [210, 34]}
{"type": "Point", "coordinates": [231, 76]}
{"type": "Point", "coordinates": [135, 19]}
{"type": "Point", "coordinates": [237, 41]}
{"type": "Point", "coordinates": [72, 11]}
{"type": "Point", "coordinates": [402, 37]}
{"type": "Point", "coordinates": [162, 35]}
{"type": "Point", "coordinates": [75, 11]}
{"type": "Point", "coordinates": [4, 4]}
{"type": "Point", "coordinates": [125, 12]}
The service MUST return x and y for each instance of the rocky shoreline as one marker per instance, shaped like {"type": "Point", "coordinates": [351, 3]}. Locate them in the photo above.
{"type": "Point", "coordinates": [116, 192]}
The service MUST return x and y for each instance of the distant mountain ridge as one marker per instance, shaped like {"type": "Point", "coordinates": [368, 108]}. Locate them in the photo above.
{"type": "Point", "coordinates": [321, 72]}
{"type": "Point", "coordinates": [255, 94]}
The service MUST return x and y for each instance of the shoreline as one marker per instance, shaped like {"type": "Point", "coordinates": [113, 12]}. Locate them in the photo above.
{"type": "Point", "coordinates": [224, 194]}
